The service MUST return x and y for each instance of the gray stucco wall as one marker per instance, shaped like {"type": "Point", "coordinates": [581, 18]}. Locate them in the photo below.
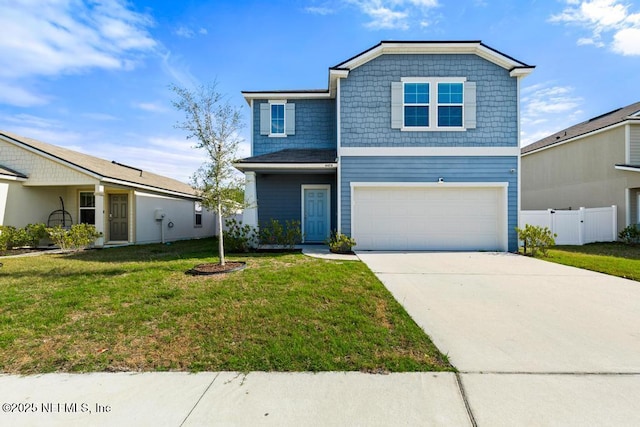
{"type": "Point", "coordinates": [429, 169]}
{"type": "Point", "coordinates": [315, 127]}
{"type": "Point", "coordinates": [366, 102]}
{"type": "Point", "coordinates": [280, 197]}
{"type": "Point", "coordinates": [581, 174]}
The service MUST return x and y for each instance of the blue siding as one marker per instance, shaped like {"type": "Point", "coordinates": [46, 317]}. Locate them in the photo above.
{"type": "Point", "coordinates": [315, 127]}
{"type": "Point", "coordinates": [429, 169]}
{"type": "Point", "coordinates": [366, 102]}
{"type": "Point", "coordinates": [280, 197]}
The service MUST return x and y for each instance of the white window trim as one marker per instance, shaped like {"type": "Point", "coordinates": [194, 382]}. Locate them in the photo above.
{"type": "Point", "coordinates": [433, 104]}
{"type": "Point", "coordinates": [81, 208]}
{"type": "Point", "coordinates": [197, 212]}
{"type": "Point", "coordinates": [282, 102]}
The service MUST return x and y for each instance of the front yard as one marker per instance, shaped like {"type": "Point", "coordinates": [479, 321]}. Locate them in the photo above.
{"type": "Point", "coordinates": [134, 309]}
{"type": "Point", "coordinates": [616, 259]}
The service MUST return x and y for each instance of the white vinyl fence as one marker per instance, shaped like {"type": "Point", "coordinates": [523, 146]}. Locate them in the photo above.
{"type": "Point", "coordinates": [576, 227]}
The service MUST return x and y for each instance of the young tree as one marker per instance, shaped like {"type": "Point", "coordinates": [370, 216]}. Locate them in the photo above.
{"type": "Point", "coordinates": [214, 124]}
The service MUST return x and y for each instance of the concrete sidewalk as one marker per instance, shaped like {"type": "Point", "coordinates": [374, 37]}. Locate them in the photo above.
{"type": "Point", "coordinates": [232, 399]}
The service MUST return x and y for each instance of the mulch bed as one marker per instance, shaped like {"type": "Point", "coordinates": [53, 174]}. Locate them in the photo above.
{"type": "Point", "coordinates": [19, 251]}
{"type": "Point", "coordinates": [212, 268]}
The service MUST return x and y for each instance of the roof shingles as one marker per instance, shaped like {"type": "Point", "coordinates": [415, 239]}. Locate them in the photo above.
{"type": "Point", "coordinates": [104, 168]}
{"type": "Point", "coordinates": [596, 123]}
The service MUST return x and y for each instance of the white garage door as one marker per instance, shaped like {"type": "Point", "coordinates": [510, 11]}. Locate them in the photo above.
{"type": "Point", "coordinates": [429, 218]}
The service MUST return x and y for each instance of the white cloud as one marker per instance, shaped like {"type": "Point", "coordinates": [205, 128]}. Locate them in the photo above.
{"type": "Point", "coordinates": [151, 107]}
{"type": "Point", "coordinates": [12, 94]}
{"type": "Point", "coordinates": [603, 18]}
{"type": "Point", "coordinates": [54, 37]}
{"type": "Point", "coordinates": [627, 41]}
{"type": "Point", "coordinates": [319, 10]}
{"type": "Point", "coordinates": [189, 33]}
{"type": "Point", "coordinates": [99, 117]}
{"type": "Point", "coordinates": [546, 109]}
{"type": "Point", "coordinates": [384, 18]}
{"type": "Point", "coordinates": [395, 14]}
{"type": "Point", "coordinates": [174, 66]}
{"type": "Point", "coordinates": [184, 32]}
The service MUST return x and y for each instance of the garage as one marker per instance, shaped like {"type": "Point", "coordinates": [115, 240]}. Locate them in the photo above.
{"type": "Point", "coordinates": [444, 216]}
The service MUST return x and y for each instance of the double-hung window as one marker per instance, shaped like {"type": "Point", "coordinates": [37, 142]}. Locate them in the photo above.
{"type": "Point", "coordinates": [197, 214]}
{"type": "Point", "coordinates": [416, 104]}
{"type": "Point", "coordinates": [450, 103]}
{"type": "Point", "coordinates": [277, 119]}
{"type": "Point", "coordinates": [433, 104]}
{"type": "Point", "coordinates": [87, 208]}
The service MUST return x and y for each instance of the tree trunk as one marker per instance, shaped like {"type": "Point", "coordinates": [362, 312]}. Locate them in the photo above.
{"type": "Point", "coordinates": [220, 237]}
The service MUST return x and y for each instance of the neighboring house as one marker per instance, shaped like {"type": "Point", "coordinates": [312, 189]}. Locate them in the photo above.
{"type": "Point", "coordinates": [592, 164]}
{"type": "Point", "coordinates": [126, 204]}
{"type": "Point", "coordinates": [413, 146]}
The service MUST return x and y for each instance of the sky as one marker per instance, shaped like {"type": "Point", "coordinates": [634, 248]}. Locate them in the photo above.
{"type": "Point", "coordinates": [94, 75]}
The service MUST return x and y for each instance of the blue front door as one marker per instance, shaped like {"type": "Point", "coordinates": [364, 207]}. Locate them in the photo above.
{"type": "Point", "coordinates": [316, 214]}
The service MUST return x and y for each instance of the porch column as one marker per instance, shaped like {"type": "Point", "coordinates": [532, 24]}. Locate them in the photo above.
{"type": "Point", "coordinates": [250, 213]}
{"type": "Point", "coordinates": [99, 200]}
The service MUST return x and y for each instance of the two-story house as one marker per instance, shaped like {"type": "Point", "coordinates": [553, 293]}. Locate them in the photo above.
{"type": "Point", "coordinates": [413, 146]}
{"type": "Point", "coordinates": [592, 164]}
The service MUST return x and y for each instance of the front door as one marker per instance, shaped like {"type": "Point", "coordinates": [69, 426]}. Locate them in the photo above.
{"type": "Point", "coordinates": [118, 217]}
{"type": "Point", "coordinates": [315, 225]}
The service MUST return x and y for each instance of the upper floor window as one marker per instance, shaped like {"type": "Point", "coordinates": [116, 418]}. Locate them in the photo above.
{"type": "Point", "coordinates": [433, 104]}
{"type": "Point", "coordinates": [277, 118]}
{"type": "Point", "coordinates": [450, 104]}
{"type": "Point", "coordinates": [87, 208]}
{"type": "Point", "coordinates": [416, 104]}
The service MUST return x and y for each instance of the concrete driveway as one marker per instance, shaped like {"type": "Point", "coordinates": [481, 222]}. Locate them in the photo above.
{"type": "Point", "coordinates": [535, 342]}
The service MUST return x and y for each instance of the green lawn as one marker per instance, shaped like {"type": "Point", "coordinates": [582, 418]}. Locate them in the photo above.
{"type": "Point", "coordinates": [134, 309]}
{"type": "Point", "coordinates": [616, 259]}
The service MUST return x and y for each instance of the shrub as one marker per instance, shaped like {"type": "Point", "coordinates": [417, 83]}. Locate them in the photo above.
{"type": "Point", "coordinates": [238, 237]}
{"type": "Point", "coordinates": [536, 238]}
{"type": "Point", "coordinates": [12, 237]}
{"type": "Point", "coordinates": [630, 235]}
{"type": "Point", "coordinates": [340, 243]}
{"type": "Point", "coordinates": [273, 233]}
{"type": "Point", "coordinates": [79, 236]}
{"type": "Point", "coordinates": [35, 233]}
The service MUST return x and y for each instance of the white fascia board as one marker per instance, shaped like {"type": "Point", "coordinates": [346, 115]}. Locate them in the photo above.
{"type": "Point", "coordinates": [428, 151]}
{"type": "Point", "coordinates": [12, 178]}
{"type": "Point", "coordinates": [475, 48]}
{"type": "Point", "coordinates": [150, 188]}
{"type": "Point", "coordinates": [284, 166]}
{"type": "Point", "coordinates": [51, 157]}
{"type": "Point", "coordinates": [285, 95]}
{"type": "Point", "coordinates": [626, 168]}
{"type": "Point", "coordinates": [575, 138]}
{"type": "Point", "coordinates": [431, 184]}
{"type": "Point", "coordinates": [521, 71]}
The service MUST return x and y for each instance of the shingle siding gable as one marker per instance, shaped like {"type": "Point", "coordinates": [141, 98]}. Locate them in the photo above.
{"type": "Point", "coordinates": [366, 102]}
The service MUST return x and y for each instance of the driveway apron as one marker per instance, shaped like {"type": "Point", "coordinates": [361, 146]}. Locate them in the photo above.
{"type": "Point", "coordinates": [532, 340]}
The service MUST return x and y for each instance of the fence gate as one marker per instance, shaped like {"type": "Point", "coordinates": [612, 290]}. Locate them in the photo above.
{"type": "Point", "coordinates": [576, 227]}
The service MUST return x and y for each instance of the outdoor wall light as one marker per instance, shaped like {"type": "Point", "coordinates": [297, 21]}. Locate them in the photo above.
{"type": "Point", "coordinates": [440, 180]}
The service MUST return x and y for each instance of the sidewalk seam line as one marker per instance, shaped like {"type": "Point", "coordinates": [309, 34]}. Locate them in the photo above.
{"type": "Point", "coordinates": [199, 399]}
{"type": "Point", "coordinates": [466, 402]}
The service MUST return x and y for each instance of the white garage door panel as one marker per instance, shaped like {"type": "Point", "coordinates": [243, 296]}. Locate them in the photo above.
{"type": "Point", "coordinates": [428, 218]}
